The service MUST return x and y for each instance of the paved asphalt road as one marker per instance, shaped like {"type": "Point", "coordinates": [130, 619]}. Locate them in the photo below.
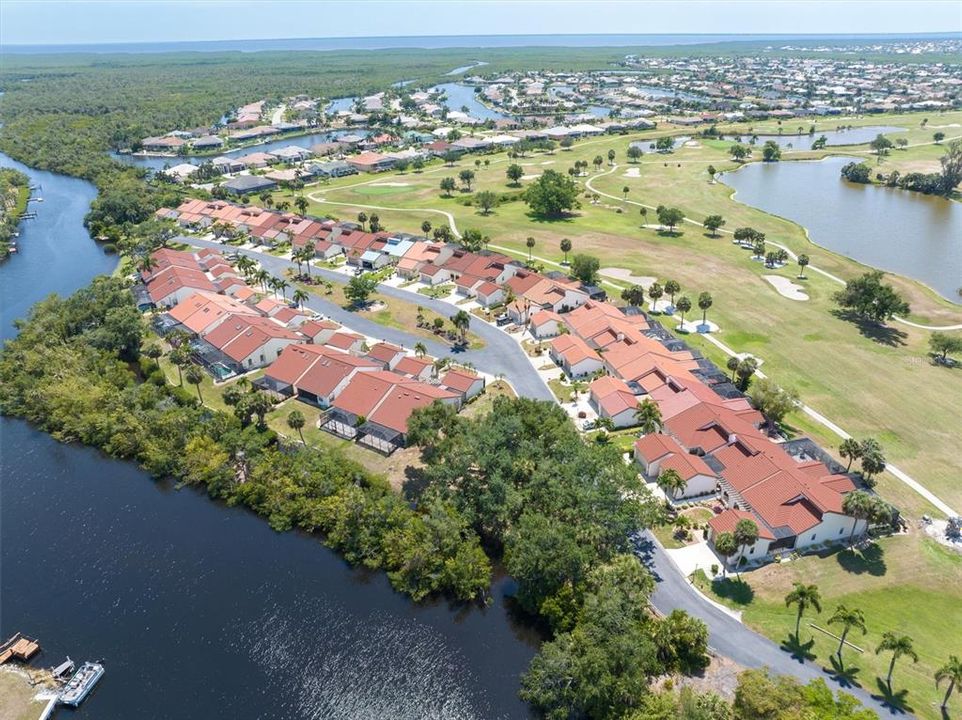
{"type": "Point", "coordinates": [500, 354]}
{"type": "Point", "coordinates": [729, 637]}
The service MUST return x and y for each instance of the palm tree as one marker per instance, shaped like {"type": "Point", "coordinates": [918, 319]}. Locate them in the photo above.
{"type": "Point", "coordinates": [672, 287]}
{"type": "Point", "coordinates": [146, 264]}
{"type": "Point", "coordinates": [529, 243]}
{"type": "Point", "coordinates": [282, 285]}
{"type": "Point", "coordinates": [857, 505]}
{"type": "Point", "coordinates": [195, 376]}
{"type": "Point", "coordinates": [295, 421]}
{"type": "Point", "coordinates": [726, 546]}
{"type": "Point", "coordinates": [644, 215]}
{"type": "Point", "coordinates": [420, 349]}
{"type": "Point", "coordinates": [804, 596]}
{"type": "Point", "coordinates": [648, 416]}
{"type": "Point", "coordinates": [263, 278]}
{"type": "Point", "coordinates": [426, 227]}
{"type": "Point", "coordinates": [899, 645]}
{"type": "Point", "coordinates": [625, 190]}
{"type": "Point", "coordinates": [362, 218]}
{"type": "Point", "coordinates": [704, 302]}
{"type": "Point", "coordinates": [951, 671]}
{"type": "Point", "coordinates": [462, 321]}
{"type": "Point", "coordinates": [672, 483]}
{"type": "Point", "coordinates": [300, 297]}
{"type": "Point", "coordinates": [309, 251]}
{"type": "Point", "coordinates": [683, 306]}
{"type": "Point", "coordinates": [851, 449]}
{"type": "Point", "coordinates": [732, 364]}
{"type": "Point", "coordinates": [565, 248]}
{"type": "Point", "coordinates": [745, 534]}
{"type": "Point", "coordinates": [300, 202]}
{"type": "Point", "coordinates": [180, 356]}
{"type": "Point", "coordinates": [848, 619]}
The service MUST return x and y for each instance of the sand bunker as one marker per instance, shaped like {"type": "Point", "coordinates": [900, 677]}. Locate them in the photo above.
{"type": "Point", "coordinates": [530, 177]}
{"type": "Point", "coordinates": [632, 172]}
{"type": "Point", "coordinates": [625, 274]}
{"type": "Point", "coordinates": [786, 288]}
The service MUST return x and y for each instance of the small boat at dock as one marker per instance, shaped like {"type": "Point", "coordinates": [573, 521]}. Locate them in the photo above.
{"type": "Point", "coordinates": [80, 685]}
{"type": "Point", "coordinates": [63, 669]}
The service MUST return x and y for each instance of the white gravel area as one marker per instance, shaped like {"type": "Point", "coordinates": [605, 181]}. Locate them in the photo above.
{"type": "Point", "coordinates": [786, 288]}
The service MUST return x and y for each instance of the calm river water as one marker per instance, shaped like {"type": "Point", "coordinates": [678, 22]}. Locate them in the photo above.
{"type": "Point", "coordinates": [199, 610]}
{"type": "Point", "coordinates": [916, 235]}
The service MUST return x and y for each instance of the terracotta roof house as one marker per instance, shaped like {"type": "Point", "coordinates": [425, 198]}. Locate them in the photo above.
{"type": "Point", "coordinates": [575, 356]}
{"type": "Point", "coordinates": [203, 311]}
{"type": "Point", "coordinates": [656, 453]}
{"type": "Point", "coordinates": [346, 342]}
{"type": "Point", "coordinates": [414, 367]}
{"type": "Point", "coordinates": [613, 399]}
{"type": "Point", "coordinates": [386, 355]}
{"type": "Point", "coordinates": [314, 373]}
{"type": "Point", "coordinates": [545, 324]}
{"type": "Point", "coordinates": [375, 406]}
{"type": "Point", "coordinates": [173, 284]}
{"type": "Point", "coordinates": [371, 162]}
{"type": "Point", "coordinates": [247, 342]}
{"type": "Point", "coordinates": [465, 383]}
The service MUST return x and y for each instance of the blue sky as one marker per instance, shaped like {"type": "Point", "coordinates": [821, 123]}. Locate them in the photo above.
{"type": "Point", "coordinates": [55, 22]}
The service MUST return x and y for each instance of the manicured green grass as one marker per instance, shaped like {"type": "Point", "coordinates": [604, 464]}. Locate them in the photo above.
{"type": "Point", "coordinates": [855, 380]}
{"type": "Point", "coordinates": [906, 584]}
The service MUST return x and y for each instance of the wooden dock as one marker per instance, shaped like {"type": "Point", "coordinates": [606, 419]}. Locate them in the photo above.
{"type": "Point", "coordinates": [18, 647]}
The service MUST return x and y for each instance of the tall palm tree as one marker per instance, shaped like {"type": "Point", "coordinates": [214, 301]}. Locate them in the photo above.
{"type": "Point", "coordinates": [296, 421]}
{"type": "Point", "coordinates": [898, 645]}
{"type": "Point", "coordinates": [262, 277]}
{"type": "Point", "coordinates": [672, 483]}
{"type": "Point", "coordinates": [804, 596]}
{"type": "Point", "coordinates": [745, 534]}
{"type": "Point", "coordinates": [195, 376]}
{"type": "Point", "coordinates": [951, 671]}
{"type": "Point", "coordinates": [857, 505]}
{"type": "Point", "coordinates": [848, 619]}
{"type": "Point", "coordinates": [300, 297]}
{"type": "Point", "coordinates": [420, 349]}
{"type": "Point", "coordinates": [309, 251]}
{"type": "Point", "coordinates": [648, 416]}
{"type": "Point", "coordinates": [462, 321]}
{"type": "Point", "coordinates": [704, 302]}
{"type": "Point", "coordinates": [282, 285]}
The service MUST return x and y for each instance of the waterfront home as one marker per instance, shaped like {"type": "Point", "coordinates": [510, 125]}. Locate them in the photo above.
{"type": "Point", "coordinates": [169, 143]}
{"type": "Point", "coordinates": [203, 311]}
{"type": "Point", "coordinates": [332, 169]}
{"type": "Point", "coordinates": [314, 373]}
{"type": "Point", "coordinates": [207, 142]}
{"type": "Point", "coordinates": [375, 406]}
{"type": "Point", "coordinates": [246, 342]}
{"type": "Point", "coordinates": [225, 165]}
{"type": "Point", "coordinates": [257, 160]}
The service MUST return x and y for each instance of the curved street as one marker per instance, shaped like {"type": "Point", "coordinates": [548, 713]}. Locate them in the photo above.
{"type": "Point", "coordinates": [728, 636]}
{"type": "Point", "coordinates": [500, 354]}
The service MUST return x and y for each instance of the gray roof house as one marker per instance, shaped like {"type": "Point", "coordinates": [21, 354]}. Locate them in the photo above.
{"type": "Point", "coordinates": [244, 184]}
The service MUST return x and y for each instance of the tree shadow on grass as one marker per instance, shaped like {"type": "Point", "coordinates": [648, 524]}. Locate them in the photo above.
{"type": "Point", "coordinates": [736, 591]}
{"type": "Point", "coordinates": [896, 701]}
{"type": "Point", "coordinates": [843, 675]}
{"type": "Point", "coordinates": [869, 559]}
{"type": "Point", "coordinates": [876, 332]}
{"type": "Point", "coordinates": [798, 650]}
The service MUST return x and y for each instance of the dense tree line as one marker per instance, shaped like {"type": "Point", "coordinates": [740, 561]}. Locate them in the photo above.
{"type": "Point", "coordinates": [561, 513]}
{"type": "Point", "coordinates": [939, 183]}
{"type": "Point", "coordinates": [13, 194]}
{"type": "Point", "coordinates": [76, 371]}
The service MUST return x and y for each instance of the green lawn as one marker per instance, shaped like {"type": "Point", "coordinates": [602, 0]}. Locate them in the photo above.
{"type": "Point", "coordinates": [907, 584]}
{"type": "Point", "coordinates": [872, 388]}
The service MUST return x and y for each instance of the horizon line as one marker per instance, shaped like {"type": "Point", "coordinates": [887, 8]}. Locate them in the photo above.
{"type": "Point", "coordinates": [932, 33]}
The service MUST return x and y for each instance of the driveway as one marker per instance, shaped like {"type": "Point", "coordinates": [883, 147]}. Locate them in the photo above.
{"type": "Point", "coordinates": [500, 354]}
{"type": "Point", "coordinates": [729, 637]}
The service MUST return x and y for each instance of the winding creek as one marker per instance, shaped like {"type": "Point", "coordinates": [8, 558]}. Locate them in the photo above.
{"type": "Point", "coordinates": [199, 610]}
{"type": "Point", "coordinates": [919, 236]}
